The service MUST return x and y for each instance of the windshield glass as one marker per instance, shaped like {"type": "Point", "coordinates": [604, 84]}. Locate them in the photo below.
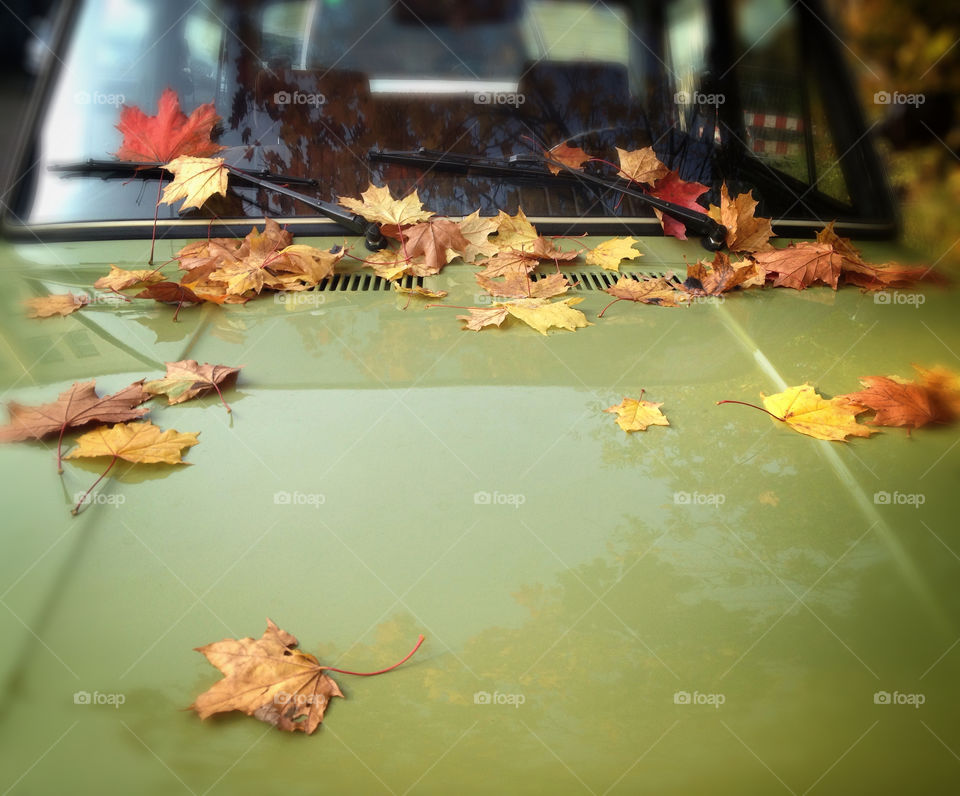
{"type": "Point", "coordinates": [307, 88]}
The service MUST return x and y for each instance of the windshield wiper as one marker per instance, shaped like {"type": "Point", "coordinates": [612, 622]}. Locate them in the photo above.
{"type": "Point", "coordinates": [275, 183]}
{"type": "Point", "coordinates": [525, 167]}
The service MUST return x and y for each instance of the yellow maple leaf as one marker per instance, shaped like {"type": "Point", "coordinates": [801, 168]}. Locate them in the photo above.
{"type": "Point", "coordinates": [57, 304]}
{"type": "Point", "coordinates": [309, 264]}
{"type": "Point", "coordinates": [195, 180]}
{"type": "Point", "coordinates": [120, 279]}
{"type": "Point", "coordinates": [635, 414]}
{"type": "Point", "coordinates": [515, 232]}
{"type": "Point", "coordinates": [541, 314]}
{"type": "Point", "coordinates": [476, 230]}
{"type": "Point", "coordinates": [811, 414]}
{"type": "Point", "coordinates": [609, 253]}
{"type": "Point", "coordinates": [379, 205]}
{"type": "Point", "coordinates": [142, 443]}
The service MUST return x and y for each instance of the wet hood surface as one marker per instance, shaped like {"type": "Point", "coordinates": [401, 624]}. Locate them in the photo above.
{"type": "Point", "coordinates": [721, 605]}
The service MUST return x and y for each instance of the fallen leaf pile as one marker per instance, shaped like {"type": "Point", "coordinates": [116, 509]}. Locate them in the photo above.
{"type": "Point", "coordinates": [138, 442]}
{"type": "Point", "coordinates": [270, 679]}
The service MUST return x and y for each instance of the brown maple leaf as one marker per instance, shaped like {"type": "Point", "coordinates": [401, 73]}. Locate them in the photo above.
{"type": "Point", "coordinates": [435, 239]}
{"type": "Point", "coordinates": [745, 233]}
{"type": "Point", "coordinates": [898, 402]}
{"type": "Point", "coordinates": [800, 265]}
{"type": "Point", "coordinates": [519, 285]}
{"type": "Point", "coordinates": [169, 134]}
{"type": "Point", "coordinates": [57, 304]}
{"type": "Point", "coordinates": [641, 165]}
{"type": "Point", "coordinates": [509, 261]}
{"type": "Point", "coordinates": [270, 679]}
{"type": "Point", "coordinates": [76, 407]}
{"type": "Point", "coordinates": [120, 279]}
{"type": "Point", "coordinates": [543, 248]}
{"type": "Point", "coordinates": [648, 290]}
{"type": "Point", "coordinates": [573, 157]}
{"type": "Point", "coordinates": [187, 379]}
{"type": "Point", "coordinates": [717, 277]}
{"type": "Point", "coordinates": [480, 317]}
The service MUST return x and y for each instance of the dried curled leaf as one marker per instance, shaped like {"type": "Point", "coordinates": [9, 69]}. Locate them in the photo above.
{"type": "Point", "coordinates": [120, 279]}
{"type": "Point", "coordinates": [519, 285]}
{"type": "Point", "coordinates": [419, 291]}
{"type": "Point", "coordinates": [478, 318]}
{"type": "Point", "coordinates": [269, 679]}
{"type": "Point", "coordinates": [187, 379]}
{"type": "Point", "coordinates": [58, 304]}
{"type": "Point", "coordinates": [811, 414]}
{"type": "Point", "coordinates": [195, 180]}
{"type": "Point", "coordinates": [648, 290]}
{"type": "Point", "coordinates": [635, 414]}
{"type": "Point", "coordinates": [141, 443]}
{"type": "Point", "coordinates": [641, 165]}
{"type": "Point", "coordinates": [745, 233]}
{"type": "Point", "coordinates": [573, 157]}
{"type": "Point", "coordinates": [78, 406]}
{"type": "Point", "coordinates": [610, 253]}
{"type": "Point", "coordinates": [898, 402]}
{"type": "Point", "coordinates": [718, 277]}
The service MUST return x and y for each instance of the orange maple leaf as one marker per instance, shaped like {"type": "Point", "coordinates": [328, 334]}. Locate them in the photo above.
{"type": "Point", "coordinates": [169, 134]}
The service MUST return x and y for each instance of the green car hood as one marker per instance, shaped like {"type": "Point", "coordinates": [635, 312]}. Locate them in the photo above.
{"type": "Point", "coordinates": [720, 605]}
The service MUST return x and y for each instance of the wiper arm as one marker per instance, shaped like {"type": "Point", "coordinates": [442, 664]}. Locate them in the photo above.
{"type": "Point", "coordinates": [525, 167]}
{"type": "Point", "coordinates": [275, 183]}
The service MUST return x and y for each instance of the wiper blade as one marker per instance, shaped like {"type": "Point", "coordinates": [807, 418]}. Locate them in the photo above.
{"type": "Point", "coordinates": [275, 183]}
{"type": "Point", "coordinates": [526, 167]}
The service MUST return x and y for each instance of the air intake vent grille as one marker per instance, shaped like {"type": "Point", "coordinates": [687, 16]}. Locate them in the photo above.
{"type": "Point", "coordinates": [362, 282]}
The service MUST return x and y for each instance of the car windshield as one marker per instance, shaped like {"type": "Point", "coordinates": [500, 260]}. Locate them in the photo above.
{"type": "Point", "coordinates": [308, 88]}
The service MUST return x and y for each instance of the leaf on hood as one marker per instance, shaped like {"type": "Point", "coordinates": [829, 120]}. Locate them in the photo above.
{"type": "Point", "coordinates": [572, 157]}
{"type": "Point", "coordinates": [419, 291]}
{"type": "Point", "coordinates": [515, 232]}
{"type": "Point", "coordinates": [476, 229]}
{"type": "Point", "coordinates": [377, 204]}
{"type": "Point", "coordinates": [307, 263]}
{"type": "Point", "coordinates": [641, 165]}
{"type": "Point", "coordinates": [141, 443]}
{"type": "Point", "coordinates": [635, 414]}
{"type": "Point", "coordinates": [508, 261]}
{"type": "Point", "coordinates": [436, 239]}
{"type": "Point", "coordinates": [680, 192]}
{"type": "Point", "coordinates": [519, 285]}
{"type": "Point", "coordinates": [811, 414]}
{"type": "Point", "coordinates": [120, 279]}
{"type": "Point", "coordinates": [718, 277]}
{"type": "Point", "coordinates": [800, 265]}
{"type": "Point", "coordinates": [898, 402]}
{"type": "Point", "coordinates": [187, 379]}
{"type": "Point", "coordinates": [542, 248]}
{"type": "Point", "coordinates": [744, 231]}
{"type": "Point", "coordinates": [542, 315]}
{"type": "Point", "coordinates": [171, 293]}
{"type": "Point", "coordinates": [478, 318]}
{"type": "Point", "coordinates": [75, 407]}
{"type": "Point", "coordinates": [611, 252]}
{"type": "Point", "coordinates": [648, 290]}
{"type": "Point", "coordinates": [57, 304]}
{"type": "Point", "coordinates": [195, 180]}
{"type": "Point", "coordinates": [169, 134]}
{"type": "Point", "coordinates": [944, 384]}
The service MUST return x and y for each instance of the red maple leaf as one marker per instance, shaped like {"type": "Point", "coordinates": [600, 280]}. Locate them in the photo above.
{"type": "Point", "coordinates": [169, 134]}
{"type": "Point", "coordinates": [680, 192]}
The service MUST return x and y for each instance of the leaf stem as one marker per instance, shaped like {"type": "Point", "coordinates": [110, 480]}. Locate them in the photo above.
{"type": "Point", "coordinates": [76, 509]}
{"type": "Point", "coordinates": [381, 671]}
{"type": "Point", "coordinates": [753, 406]}
{"type": "Point", "coordinates": [609, 306]}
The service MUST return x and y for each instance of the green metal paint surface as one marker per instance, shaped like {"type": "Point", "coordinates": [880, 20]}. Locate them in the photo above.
{"type": "Point", "coordinates": [385, 474]}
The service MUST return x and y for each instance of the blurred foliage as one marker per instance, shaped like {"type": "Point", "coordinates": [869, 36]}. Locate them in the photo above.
{"type": "Point", "coordinates": [913, 46]}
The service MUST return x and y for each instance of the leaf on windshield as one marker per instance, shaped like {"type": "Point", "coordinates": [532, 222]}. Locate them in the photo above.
{"type": "Point", "coordinates": [641, 165]}
{"type": "Point", "coordinates": [195, 180]}
{"type": "Point", "coordinates": [57, 304]}
{"type": "Point", "coordinates": [572, 157]}
{"type": "Point", "coordinates": [713, 279]}
{"type": "Point", "coordinates": [169, 134]}
{"type": "Point", "coordinates": [745, 233]}
{"type": "Point", "coordinates": [635, 414]}
{"type": "Point", "coordinates": [120, 279]}
{"type": "Point", "coordinates": [187, 379]}
{"type": "Point", "coordinates": [378, 205]}
{"type": "Point", "coordinates": [800, 265]}
{"type": "Point", "coordinates": [682, 193]}
{"type": "Point", "coordinates": [611, 253]}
